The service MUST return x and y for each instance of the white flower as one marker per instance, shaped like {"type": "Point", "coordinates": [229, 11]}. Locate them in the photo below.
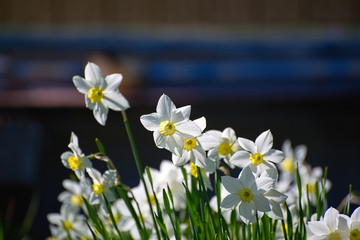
{"type": "Point", "coordinates": [354, 225]}
{"type": "Point", "coordinates": [67, 222]}
{"type": "Point", "coordinates": [75, 160]}
{"type": "Point", "coordinates": [101, 186]}
{"type": "Point", "coordinates": [101, 93]}
{"type": "Point", "coordinates": [332, 226]}
{"type": "Point", "coordinates": [226, 145]}
{"type": "Point", "coordinates": [247, 193]}
{"type": "Point", "coordinates": [259, 155]}
{"type": "Point", "coordinates": [171, 125]}
{"type": "Point", "coordinates": [75, 193]}
{"type": "Point", "coordinates": [193, 150]}
{"type": "Point", "coordinates": [293, 157]}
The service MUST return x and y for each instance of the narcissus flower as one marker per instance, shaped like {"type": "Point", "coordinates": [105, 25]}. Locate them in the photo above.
{"type": "Point", "coordinates": [75, 160]}
{"type": "Point", "coordinates": [248, 193]}
{"type": "Point", "coordinates": [259, 155]}
{"type": "Point", "coordinates": [332, 226]}
{"type": "Point", "coordinates": [101, 186]}
{"type": "Point", "coordinates": [171, 125]}
{"type": "Point", "coordinates": [101, 93]}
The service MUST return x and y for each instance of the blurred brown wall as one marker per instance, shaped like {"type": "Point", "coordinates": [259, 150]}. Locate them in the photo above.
{"type": "Point", "coordinates": [214, 12]}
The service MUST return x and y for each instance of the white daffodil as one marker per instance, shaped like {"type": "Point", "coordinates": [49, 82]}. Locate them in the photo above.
{"type": "Point", "coordinates": [332, 226]}
{"type": "Point", "coordinates": [226, 145]}
{"type": "Point", "coordinates": [259, 155]}
{"type": "Point", "coordinates": [101, 93]}
{"type": "Point", "coordinates": [170, 175]}
{"type": "Point", "coordinates": [171, 125]}
{"type": "Point", "coordinates": [247, 192]}
{"type": "Point", "coordinates": [68, 223]}
{"type": "Point", "coordinates": [293, 157]}
{"type": "Point", "coordinates": [193, 150]}
{"type": "Point", "coordinates": [354, 225]}
{"type": "Point", "coordinates": [75, 160]}
{"type": "Point", "coordinates": [101, 186]}
{"type": "Point", "coordinates": [75, 192]}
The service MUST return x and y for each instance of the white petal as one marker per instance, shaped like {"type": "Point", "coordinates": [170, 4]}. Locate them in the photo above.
{"type": "Point", "coordinates": [232, 185]}
{"type": "Point", "coordinates": [355, 216]}
{"type": "Point", "coordinates": [65, 157]}
{"type": "Point", "coordinates": [318, 228]}
{"type": "Point", "coordinates": [95, 175]}
{"type": "Point", "coordinates": [165, 107]}
{"type": "Point", "coordinates": [247, 212]}
{"type": "Point", "coordinates": [175, 144]}
{"type": "Point", "coordinates": [264, 142]}
{"type": "Point", "coordinates": [151, 121]}
{"type": "Point", "coordinates": [200, 156]}
{"type": "Point", "coordinates": [331, 218]}
{"type": "Point", "coordinates": [246, 177]}
{"type": "Point", "coordinates": [100, 113]}
{"type": "Point", "coordinates": [159, 139]}
{"type": "Point", "coordinates": [276, 212]}
{"type": "Point", "coordinates": [229, 134]}
{"type": "Point", "coordinates": [88, 103]}
{"type": "Point", "coordinates": [115, 101]}
{"type": "Point", "coordinates": [230, 201]}
{"type": "Point", "coordinates": [113, 81]}
{"type": "Point", "coordinates": [54, 218]}
{"type": "Point", "coordinates": [275, 196]}
{"type": "Point", "coordinates": [201, 122]}
{"type": "Point", "coordinates": [240, 159]}
{"type": "Point", "coordinates": [180, 114]}
{"type": "Point", "coordinates": [261, 203]}
{"type": "Point", "coordinates": [93, 74]}
{"type": "Point", "coordinates": [247, 144]}
{"type": "Point", "coordinates": [300, 153]}
{"type": "Point", "coordinates": [109, 178]}
{"type": "Point", "coordinates": [82, 85]}
{"type": "Point", "coordinates": [287, 149]}
{"type": "Point", "coordinates": [188, 129]}
{"type": "Point", "coordinates": [264, 183]}
{"type": "Point", "coordinates": [275, 156]}
{"type": "Point", "coordinates": [208, 141]}
{"type": "Point", "coordinates": [179, 161]}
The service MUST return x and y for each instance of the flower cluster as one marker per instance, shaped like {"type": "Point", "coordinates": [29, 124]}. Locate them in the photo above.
{"type": "Point", "coordinates": [272, 198]}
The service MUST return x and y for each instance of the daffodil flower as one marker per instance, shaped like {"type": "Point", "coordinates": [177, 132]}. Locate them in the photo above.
{"type": "Point", "coordinates": [171, 125]}
{"type": "Point", "coordinates": [247, 192]}
{"type": "Point", "coordinates": [101, 186]}
{"type": "Point", "coordinates": [101, 93]}
{"type": "Point", "coordinates": [259, 155]}
{"type": "Point", "coordinates": [75, 160]}
{"type": "Point", "coordinates": [73, 196]}
{"type": "Point", "coordinates": [332, 226]}
{"type": "Point", "coordinates": [226, 147]}
{"type": "Point", "coordinates": [68, 223]}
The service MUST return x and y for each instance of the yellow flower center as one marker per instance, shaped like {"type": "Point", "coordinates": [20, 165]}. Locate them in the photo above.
{"type": "Point", "coordinates": [167, 128]}
{"type": "Point", "coordinates": [334, 236]}
{"type": "Point", "coordinates": [189, 144]}
{"type": "Point", "coordinates": [193, 170]}
{"type": "Point", "coordinates": [98, 189]}
{"type": "Point", "coordinates": [256, 158]}
{"type": "Point", "coordinates": [51, 238]}
{"type": "Point", "coordinates": [84, 238]}
{"type": "Point", "coordinates": [116, 218]}
{"type": "Point", "coordinates": [286, 228]}
{"type": "Point", "coordinates": [152, 199]}
{"type": "Point", "coordinates": [225, 149]}
{"type": "Point", "coordinates": [74, 163]}
{"type": "Point", "coordinates": [67, 226]}
{"type": "Point", "coordinates": [245, 195]}
{"type": "Point", "coordinates": [288, 165]}
{"type": "Point", "coordinates": [95, 95]}
{"type": "Point", "coordinates": [311, 188]}
{"type": "Point", "coordinates": [77, 200]}
{"type": "Point", "coordinates": [355, 234]}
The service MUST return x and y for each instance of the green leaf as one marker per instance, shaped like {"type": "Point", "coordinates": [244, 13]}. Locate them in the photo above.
{"type": "Point", "coordinates": [100, 146]}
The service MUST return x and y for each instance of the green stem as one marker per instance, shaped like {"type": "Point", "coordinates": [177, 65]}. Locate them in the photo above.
{"type": "Point", "coordinates": [139, 167]}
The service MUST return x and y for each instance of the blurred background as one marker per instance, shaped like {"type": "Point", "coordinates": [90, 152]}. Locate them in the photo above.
{"type": "Point", "coordinates": [289, 66]}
